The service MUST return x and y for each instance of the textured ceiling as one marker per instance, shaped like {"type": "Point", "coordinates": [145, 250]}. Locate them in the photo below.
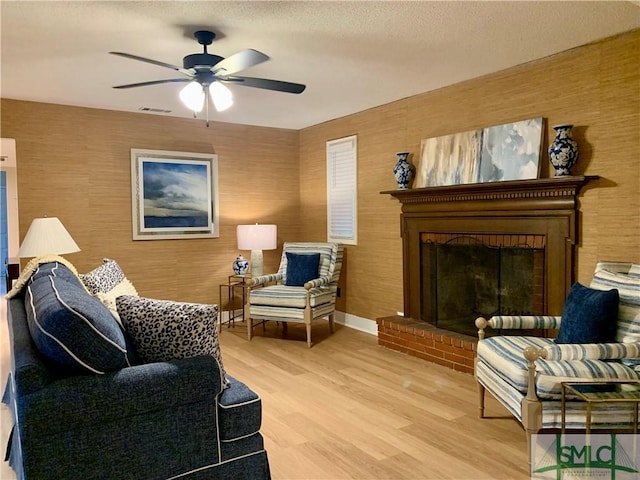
{"type": "Point", "coordinates": [351, 55]}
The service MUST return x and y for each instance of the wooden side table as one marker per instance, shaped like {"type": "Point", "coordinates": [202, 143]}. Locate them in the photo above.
{"type": "Point", "coordinates": [236, 289]}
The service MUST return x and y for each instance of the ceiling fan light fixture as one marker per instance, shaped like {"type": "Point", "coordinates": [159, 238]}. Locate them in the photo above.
{"type": "Point", "coordinates": [205, 73]}
{"type": "Point", "coordinates": [192, 95]}
{"type": "Point", "coordinates": [221, 96]}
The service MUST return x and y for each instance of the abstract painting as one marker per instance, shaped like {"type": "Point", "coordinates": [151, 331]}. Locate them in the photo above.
{"type": "Point", "coordinates": [511, 151]}
{"type": "Point", "coordinates": [174, 195]}
{"type": "Point", "coordinates": [499, 153]}
{"type": "Point", "coordinates": [450, 159]}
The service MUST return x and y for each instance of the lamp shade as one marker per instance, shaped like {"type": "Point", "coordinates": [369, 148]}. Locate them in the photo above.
{"type": "Point", "coordinates": [257, 237]}
{"type": "Point", "coordinates": [192, 95]}
{"type": "Point", "coordinates": [221, 96]}
{"type": "Point", "coordinates": [47, 236]}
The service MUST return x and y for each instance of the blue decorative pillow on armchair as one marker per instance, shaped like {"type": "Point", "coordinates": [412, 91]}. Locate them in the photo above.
{"type": "Point", "coordinates": [301, 267]}
{"type": "Point", "coordinates": [589, 316]}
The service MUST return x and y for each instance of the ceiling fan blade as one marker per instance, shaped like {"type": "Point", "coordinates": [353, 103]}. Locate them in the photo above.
{"type": "Point", "coordinates": [155, 62]}
{"type": "Point", "coordinates": [153, 82]}
{"type": "Point", "coordinates": [239, 61]}
{"type": "Point", "coordinates": [267, 84]}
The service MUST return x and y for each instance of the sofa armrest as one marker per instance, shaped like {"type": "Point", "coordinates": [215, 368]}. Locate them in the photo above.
{"type": "Point", "coordinates": [264, 279]}
{"type": "Point", "coordinates": [591, 351]}
{"type": "Point", "coordinates": [517, 322]}
{"type": "Point", "coordinates": [100, 399]}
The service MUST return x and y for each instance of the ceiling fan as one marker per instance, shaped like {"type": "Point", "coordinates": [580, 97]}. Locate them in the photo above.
{"type": "Point", "coordinates": [206, 74]}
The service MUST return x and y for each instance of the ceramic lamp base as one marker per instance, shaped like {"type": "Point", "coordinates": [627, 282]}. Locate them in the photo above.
{"type": "Point", "coordinates": [256, 263]}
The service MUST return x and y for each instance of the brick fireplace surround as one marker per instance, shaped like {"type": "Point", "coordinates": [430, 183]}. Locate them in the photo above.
{"type": "Point", "coordinates": [419, 339]}
{"type": "Point", "coordinates": [547, 207]}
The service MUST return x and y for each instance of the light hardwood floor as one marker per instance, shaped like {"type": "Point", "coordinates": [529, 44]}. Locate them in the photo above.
{"type": "Point", "coordinates": [349, 409]}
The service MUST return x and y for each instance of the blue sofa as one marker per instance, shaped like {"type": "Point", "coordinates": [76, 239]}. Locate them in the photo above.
{"type": "Point", "coordinates": [161, 420]}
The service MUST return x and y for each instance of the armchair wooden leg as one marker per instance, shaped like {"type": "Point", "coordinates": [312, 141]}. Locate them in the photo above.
{"type": "Point", "coordinates": [331, 326]}
{"type": "Point", "coordinates": [249, 327]}
{"type": "Point", "coordinates": [531, 420]}
{"type": "Point", "coordinates": [307, 322]}
{"type": "Point", "coordinates": [481, 390]}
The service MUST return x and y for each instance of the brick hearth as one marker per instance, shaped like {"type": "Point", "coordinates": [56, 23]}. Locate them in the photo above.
{"type": "Point", "coordinates": [425, 341]}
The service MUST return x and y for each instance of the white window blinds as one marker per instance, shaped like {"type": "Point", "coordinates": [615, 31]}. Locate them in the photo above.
{"type": "Point", "coordinates": [342, 190]}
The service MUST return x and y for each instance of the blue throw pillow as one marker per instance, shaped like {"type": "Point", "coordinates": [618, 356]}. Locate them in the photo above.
{"type": "Point", "coordinates": [589, 316]}
{"type": "Point", "coordinates": [301, 267]}
{"type": "Point", "coordinates": [72, 328]}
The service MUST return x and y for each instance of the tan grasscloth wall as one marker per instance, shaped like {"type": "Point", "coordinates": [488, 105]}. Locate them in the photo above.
{"type": "Point", "coordinates": [74, 163]}
{"type": "Point", "coordinates": [595, 87]}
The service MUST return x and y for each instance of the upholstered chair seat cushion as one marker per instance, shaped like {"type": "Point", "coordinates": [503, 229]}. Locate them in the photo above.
{"type": "Point", "coordinates": [291, 297]}
{"type": "Point", "coordinates": [503, 355]}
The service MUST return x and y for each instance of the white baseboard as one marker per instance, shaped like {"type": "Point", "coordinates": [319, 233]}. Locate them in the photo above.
{"type": "Point", "coordinates": [358, 323]}
{"type": "Point", "coordinates": [352, 321]}
{"type": "Point", "coordinates": [224, 316]}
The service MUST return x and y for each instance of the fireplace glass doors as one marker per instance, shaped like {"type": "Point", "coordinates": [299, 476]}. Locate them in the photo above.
{"type": "Point", "coordinates": [467, 276]}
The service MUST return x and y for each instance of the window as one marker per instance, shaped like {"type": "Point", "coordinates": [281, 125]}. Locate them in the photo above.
{"type": "Point", "coordinates": [342, 190]}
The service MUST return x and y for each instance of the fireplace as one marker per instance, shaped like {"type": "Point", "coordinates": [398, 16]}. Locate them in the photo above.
{"type": "Point", "coordinates": [480, 250]}
{"type": "Point", "coordinates": [465, 276]}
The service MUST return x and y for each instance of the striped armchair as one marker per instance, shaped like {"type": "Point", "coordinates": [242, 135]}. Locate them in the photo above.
{"type": "Point", "coordinates": [313, 301]}
{"type": "Point", "coordinates": [525, 373]}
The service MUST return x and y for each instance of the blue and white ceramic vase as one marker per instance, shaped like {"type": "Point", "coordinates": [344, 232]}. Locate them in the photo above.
{"type": "Point", "coordinates": [240, 265]}
{"type": "Point", "coordinates": [403, 171]}
{"type": "Point", "coordinates": [563, 152]}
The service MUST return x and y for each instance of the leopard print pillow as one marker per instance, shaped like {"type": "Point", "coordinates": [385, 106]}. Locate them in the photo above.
{"type": "Point", "coordinates": [103, 278]}
{"type": "Point", "coordinates": [163, 330]}
{"type": "Point", "coordinates": [108, 282]}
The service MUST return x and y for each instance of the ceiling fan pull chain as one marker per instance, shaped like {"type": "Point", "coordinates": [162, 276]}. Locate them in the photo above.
{"type": "Point", "coordinates": [206, 96]}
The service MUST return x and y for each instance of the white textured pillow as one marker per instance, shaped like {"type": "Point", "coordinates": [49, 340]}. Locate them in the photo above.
{"type": "Point", "coordinates": [125, 287]}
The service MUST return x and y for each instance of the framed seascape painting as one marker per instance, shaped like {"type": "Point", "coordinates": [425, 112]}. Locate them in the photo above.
{"type": "Point", "coordinates": [493, 154]}
{"type": "Point", "coordinates": [174, 195]}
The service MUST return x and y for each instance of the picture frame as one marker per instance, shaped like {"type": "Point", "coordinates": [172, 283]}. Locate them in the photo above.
{"type": "Point", "coordinates": [505, 152]}
{"type": "Point", "coordinates": [174, 195]}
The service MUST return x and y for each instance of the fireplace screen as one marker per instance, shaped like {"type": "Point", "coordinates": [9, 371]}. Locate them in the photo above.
{"type": "Point", "coordinates": [464, 278]}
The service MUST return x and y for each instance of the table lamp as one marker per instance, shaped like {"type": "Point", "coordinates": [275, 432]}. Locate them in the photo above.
{"type": "Point", "coordinates": [47, 236]}
{"type": "Point", "coordinates": [256, 238]}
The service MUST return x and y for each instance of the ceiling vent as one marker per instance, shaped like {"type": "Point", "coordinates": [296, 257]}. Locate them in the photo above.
{"type": "Point", "coordinates": [154, 110]}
